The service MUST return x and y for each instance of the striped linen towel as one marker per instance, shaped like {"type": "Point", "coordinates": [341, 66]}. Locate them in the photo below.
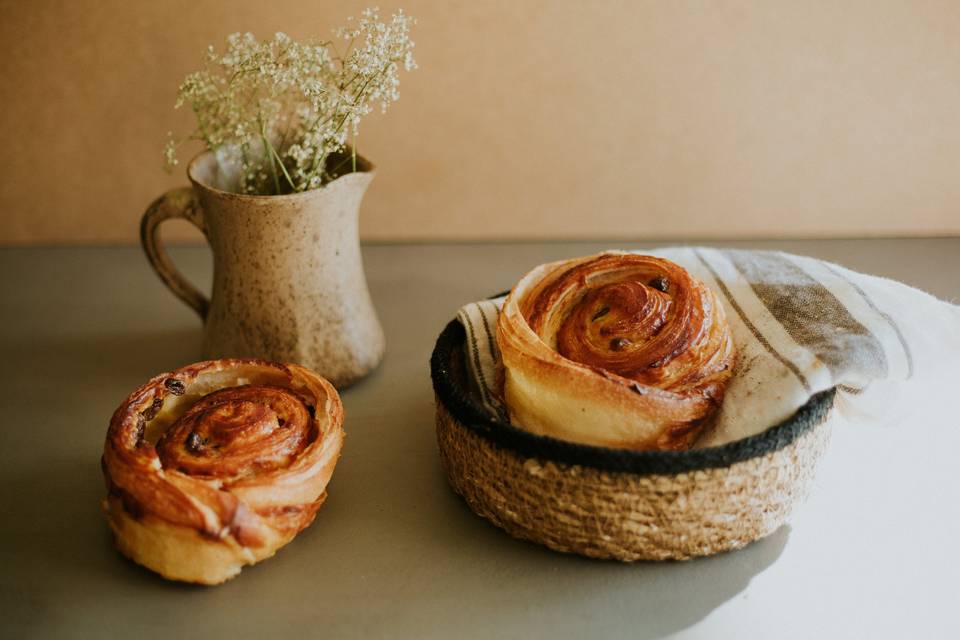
{"type": "Point", "coordinates": [801, 326]}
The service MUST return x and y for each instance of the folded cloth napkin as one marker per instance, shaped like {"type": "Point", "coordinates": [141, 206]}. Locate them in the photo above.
{"type": "Point", "coordinates": [801, 326]}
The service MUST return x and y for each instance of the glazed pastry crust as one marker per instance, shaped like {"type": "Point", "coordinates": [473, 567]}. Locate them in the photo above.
{"type": "Point", "coordinates": [217, 465]}
{"type": "Point", "coordinates": [616, 349]}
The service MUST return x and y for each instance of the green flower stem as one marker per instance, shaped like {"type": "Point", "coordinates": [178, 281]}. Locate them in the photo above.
{"type": "Point", "coordinates": [273, 169]}
{"type": "Point", "coordinates": [283, 168]}
{"type": "Point", "coordinates": [274, 158]}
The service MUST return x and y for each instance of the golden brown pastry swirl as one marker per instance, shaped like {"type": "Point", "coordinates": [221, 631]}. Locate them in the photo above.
{"type": "Point", "coordinates": [219, 464]}
{"type": "Point", "coordinates": [238, 431]}
{"type": "Point", "coordinates": [616, 349]}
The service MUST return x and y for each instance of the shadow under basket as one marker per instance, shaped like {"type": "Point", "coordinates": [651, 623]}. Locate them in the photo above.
{"type": "Point", "coordinates": [621, 504]}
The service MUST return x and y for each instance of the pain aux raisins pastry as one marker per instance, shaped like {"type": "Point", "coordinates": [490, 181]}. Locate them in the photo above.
{"type": "Point", "coordinates": [217, 465]}
{"type": "Point", "coordinates": [616, 349]}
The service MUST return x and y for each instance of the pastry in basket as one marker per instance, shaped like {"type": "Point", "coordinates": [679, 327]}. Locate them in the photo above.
{"type": "Point", "coordinates": [608, 364]}
{"type": "Point", "coordinates": [616, 349]}
{"type": "Point", "coordinates": [217, 465]}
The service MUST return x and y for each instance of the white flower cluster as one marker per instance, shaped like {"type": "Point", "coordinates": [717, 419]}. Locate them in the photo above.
{"type": "Point", "coordinates": [280, 109]}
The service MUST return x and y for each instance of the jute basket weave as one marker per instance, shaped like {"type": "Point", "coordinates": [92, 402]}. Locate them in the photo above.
{"type": "Point", "coordinates": [626, 505]}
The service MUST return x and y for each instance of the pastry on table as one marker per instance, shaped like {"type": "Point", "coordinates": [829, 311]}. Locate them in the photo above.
{"type": "Point", "coordinates": [218, 464]}
{"type": "Point", "coordinates": [617, 350]}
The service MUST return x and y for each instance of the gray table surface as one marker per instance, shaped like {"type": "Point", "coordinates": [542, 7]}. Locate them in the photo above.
{"type": "Point", "coordinates": [874, 553]}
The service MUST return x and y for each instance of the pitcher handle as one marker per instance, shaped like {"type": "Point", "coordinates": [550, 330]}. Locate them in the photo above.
{"type": "Point", "coordinates": [176, 203]}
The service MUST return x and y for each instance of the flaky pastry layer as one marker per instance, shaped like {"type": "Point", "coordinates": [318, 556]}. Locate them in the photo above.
{"type": "Point", "coordinates": [615, 349]}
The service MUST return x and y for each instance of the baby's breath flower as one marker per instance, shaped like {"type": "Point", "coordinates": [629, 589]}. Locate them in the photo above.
{"type": "Point", "coordinates": [279, 109]}
{"type": "Point", "coordinates": [170, 152]}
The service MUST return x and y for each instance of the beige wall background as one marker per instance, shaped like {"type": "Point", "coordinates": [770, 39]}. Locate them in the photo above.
{"type": "Point", "coordinates": [526, 119]}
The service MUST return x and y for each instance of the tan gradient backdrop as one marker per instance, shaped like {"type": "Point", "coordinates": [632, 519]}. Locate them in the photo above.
{"type": "Point", "coordinates": [526, 119]}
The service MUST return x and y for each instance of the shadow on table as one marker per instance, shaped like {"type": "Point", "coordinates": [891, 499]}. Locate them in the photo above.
{"type": "Point", "coordinates": [673, 596]}
{"type": "Point", "coordinates": [641, 600]}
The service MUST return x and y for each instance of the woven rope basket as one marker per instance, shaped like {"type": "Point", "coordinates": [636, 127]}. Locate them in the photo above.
{"type": "Point", "coordinates": [627, 505]}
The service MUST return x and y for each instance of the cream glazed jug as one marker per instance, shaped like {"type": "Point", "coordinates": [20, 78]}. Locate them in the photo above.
{"type": "Point", "coordinates": [288, 279]}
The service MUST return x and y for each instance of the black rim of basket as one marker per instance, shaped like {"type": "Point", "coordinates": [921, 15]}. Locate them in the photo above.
{"type": "Point", "coordinates": [465, 409]}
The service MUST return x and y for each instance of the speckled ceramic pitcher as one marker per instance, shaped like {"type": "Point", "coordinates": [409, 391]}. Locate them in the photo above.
{"type": "Point", "coordinates": [288, 281]}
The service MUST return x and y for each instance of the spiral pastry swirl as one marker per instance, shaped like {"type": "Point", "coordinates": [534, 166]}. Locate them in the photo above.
{"type": "Point", "coordinates": [617, 349]}
{"type": "Point", "coordinates": [217, 465]}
